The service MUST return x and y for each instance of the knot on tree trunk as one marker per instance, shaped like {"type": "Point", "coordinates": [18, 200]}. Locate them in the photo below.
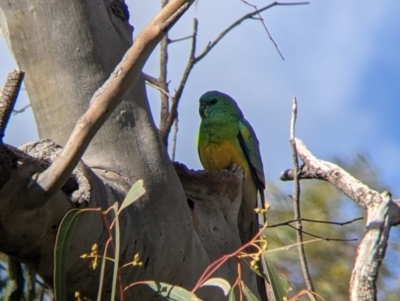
{"type": "Point", "coordinates": [77, 188]}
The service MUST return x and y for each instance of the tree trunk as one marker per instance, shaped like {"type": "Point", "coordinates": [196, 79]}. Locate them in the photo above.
{"type": "Point", "coordinates": [68, 49]}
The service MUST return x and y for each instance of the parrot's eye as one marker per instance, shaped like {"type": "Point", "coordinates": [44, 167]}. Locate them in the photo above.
{"type": "Point", "coordinates": [213, 101]}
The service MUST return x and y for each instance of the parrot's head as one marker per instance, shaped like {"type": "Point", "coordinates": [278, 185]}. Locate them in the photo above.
{"type": "Point", "coordinates": [215, 104]}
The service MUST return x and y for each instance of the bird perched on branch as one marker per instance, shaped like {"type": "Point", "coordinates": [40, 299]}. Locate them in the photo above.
{"type": "Point", "coordinates": [227, 138]}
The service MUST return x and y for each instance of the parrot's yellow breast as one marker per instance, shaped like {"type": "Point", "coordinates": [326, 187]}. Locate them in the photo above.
{"type": "Point", "coordinates": [217, 157]}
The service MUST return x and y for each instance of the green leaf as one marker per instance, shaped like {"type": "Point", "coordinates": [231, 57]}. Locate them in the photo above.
{"type": "Point", "coordinates": [220, 282]}
{"type": "Point", "coordinates": [248, 293]}
{"type": "Point", "coordinates": [136, 191]}
{"type": "Point", "coordinates": [102, 272]}
{"type": "Point", "coordinates": [259, 273]}
{"type": "Point", "coordinates": [231, 295]}
{"type": "Point", "coordinates": [63, 239]}
{"type": "Point", "coordinates": [171, 292]}
{"type": "Point", "coordinates": [279, 286]}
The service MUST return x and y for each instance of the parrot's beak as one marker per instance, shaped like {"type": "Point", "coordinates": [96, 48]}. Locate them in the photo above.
{"type": "Point", "coordinates": [201, 109]}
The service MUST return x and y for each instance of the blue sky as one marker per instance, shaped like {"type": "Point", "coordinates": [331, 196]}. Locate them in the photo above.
{"type": "Point", "coordinates": [341, 61]}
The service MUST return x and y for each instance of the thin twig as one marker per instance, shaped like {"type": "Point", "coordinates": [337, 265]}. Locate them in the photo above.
{"type": "Point", "coordinates": [314, 221]}
{"type": "Point", "coordinates": [165, 127]}
{"type": "Point", "coordinates": [296, 200]}
{"type": "Point", "coordinates": [154, 83]}
{"type": "Point", "coordinates": [265, 27]}
{"type": "Point", "coordinates": [18, 111]}
{"type": "Point", "coordinates": [8, 97]}
{"type": "Point", "coordinates": [105, 100]}
{"type": "Point", "coordinates": [322, 237]}
{"type": "Point", "coordinates": [151, 79]}
{"type": "Point", "coordinates": [158, 88]}
{"type": "Point", "coordinates": [170, 41]}
{"type": "Point", "coordinates": [250, 15]}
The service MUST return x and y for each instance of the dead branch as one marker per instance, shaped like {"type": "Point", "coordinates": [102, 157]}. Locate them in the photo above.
{"type": "Point", "coordinates": [166, 124]}
{"type": "Point", "coordinates": [371, 251]}
{"type": "Point", "coordinates": [154, 83]}
{"type": "Point", "coordinates": [250, 15]}
{"type": "Point", "coordinates": [314, 168]}
{"type": "Point", "coordinates": [8, 97]}
{"type": "Point", "coordinates": [289, 224]}
{"type": "Point", "coordinates": [321, 237]}
{"type": "Point", "coordinates": [382, 213]}
{"type": "Point", "coordinates": [314, 221]}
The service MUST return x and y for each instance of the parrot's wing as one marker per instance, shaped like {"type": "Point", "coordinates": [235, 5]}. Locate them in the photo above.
{"type": "Point", "coordinates": [249, 143]}
{"type": "Point", "coordinates": [250, 146]}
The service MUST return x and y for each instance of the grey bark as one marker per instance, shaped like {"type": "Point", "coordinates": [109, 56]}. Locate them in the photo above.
{"type": "Point", "coordinates": [68, 49]}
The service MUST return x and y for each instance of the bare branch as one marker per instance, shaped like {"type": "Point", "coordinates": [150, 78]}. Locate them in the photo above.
{"type": "Point", "coordinates": [382, 211]}
{"type": "Point", "coordinates": [159, 89]}
{"type": "Point", "coordinates": [18, 111]}
{"type": "Point", "coordinates": [265, 27]}
{"type": "Point", "coordinates": [151, 79]}
{"type": "Point", "coordinates": [296, 201]}
{"type": "Point", "coordinates": [371, 251]}
{"type": "Point", "coordinates": [314, 221]}
{"type": "Point", "coordinates": [333, 223]}
{"type": "Point", "coordinates": [165, 127]}
{"type": "Point", "coordinates": [106, 99]}
{"type": "Point", "coordinates": [162, 79]}
{"type": "Point", "coordinates": [319, 169]}
{"type": "Point", "coordinates": [8, 97]}
{"type": "Point", "coordinates": [250, 15]}
{"type": "Point", "coordinates": [314, 168]}
{"type": "Point", "coordinates": [170, 41]}
{"type": "Point", "coordinates": [321, 237]}
{"type": "Point", "coordinates": [288, 223]}
{"type": "Point", "coordinates": [189, 66]}
{"type": "Point", "coordinates": [154, 83]}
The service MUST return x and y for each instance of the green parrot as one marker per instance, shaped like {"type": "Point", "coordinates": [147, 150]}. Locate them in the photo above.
{"type": "Point", "coordinates": [227, 138]}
